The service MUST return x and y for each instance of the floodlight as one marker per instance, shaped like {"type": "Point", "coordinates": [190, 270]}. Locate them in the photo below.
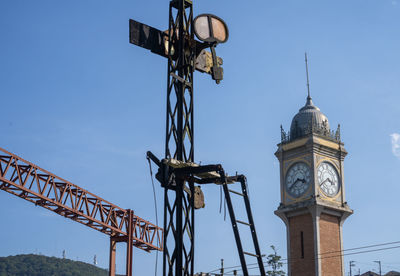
{"type": "Point", "coordinates": [210, 28]}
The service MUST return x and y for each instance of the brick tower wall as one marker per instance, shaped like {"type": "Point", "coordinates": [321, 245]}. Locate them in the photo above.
{"type": "Point", "coordinates": [330, 246]}
{"type": "Point", "coordinates": [301, 245]}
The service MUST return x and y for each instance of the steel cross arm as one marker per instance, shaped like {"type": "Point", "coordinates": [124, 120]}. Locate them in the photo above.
{"type": "Point", "coordinates": [157, 42]}
{"type": "Point", "coordinates": [32, 183]}
{"type": "Point", "coordinates": [196, 170]}
{"type": "Point", "coordinates": [189, 173]}
{"type": "Point", "coordinates": [221, 180]}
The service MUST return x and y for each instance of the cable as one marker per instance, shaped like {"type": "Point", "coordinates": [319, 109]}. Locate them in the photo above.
{"type": "Point", "coordinates": [331, 252]}
{"type": "Point", "coordinates": [224, 207]}
{"type": "Point", "coordinates": [327, 257]}
{"type": "Point", "coordinates": [155, 207]}
{"type": "Point", "coordinates": [362, 247]}
{"type": "Point", "coordinates": [220, 199]}
{"type": "Point", "coordinates": [366, 251]}
{"type": "Point", "coordinates": [341, 255]}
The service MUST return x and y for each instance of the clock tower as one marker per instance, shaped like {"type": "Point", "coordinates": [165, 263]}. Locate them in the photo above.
{"type": "Point", "coordinates": [313, 205]}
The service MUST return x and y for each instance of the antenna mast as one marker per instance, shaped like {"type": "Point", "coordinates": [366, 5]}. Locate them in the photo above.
{"type": "Point", "coordinates": [308, 81]}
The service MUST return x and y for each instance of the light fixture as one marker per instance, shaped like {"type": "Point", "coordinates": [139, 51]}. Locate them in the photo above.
{"type": "Point", "coordinates": [210, 28]}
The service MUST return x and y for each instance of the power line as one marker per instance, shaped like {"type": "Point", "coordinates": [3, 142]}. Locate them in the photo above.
{"type": "Point", "coordinates": [332, 252]}
{"type": "Point", "coordinates": [362, 247]}
{"type": "Point", "coordinates": [348, 254]}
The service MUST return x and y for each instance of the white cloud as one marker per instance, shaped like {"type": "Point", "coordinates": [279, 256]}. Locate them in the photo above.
{"type": "Point", "coordinates": [395, 144]}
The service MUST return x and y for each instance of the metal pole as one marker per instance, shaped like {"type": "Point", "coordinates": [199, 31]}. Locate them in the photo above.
{"type": "Point", "coordinates": [178, 210]}
{"type": "Point", "coordinates": [179, 232]}
{"type": "Point", "coordinates": [129, 244]}
{"type": "Point", "coordinates": [380, 267]}
{"type": "Point", "coordinates": [113, 247]}
{"type": "Point", "coordinates": [243, 183]}
{"type": "Point", "coordinates": [235, 229]}
{"type": "Point", "coordinates": [351, 265]}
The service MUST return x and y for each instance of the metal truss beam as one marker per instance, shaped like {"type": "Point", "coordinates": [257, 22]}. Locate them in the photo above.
{"type": "Point", "coordinates": [30, 182]}
{"type": "Point", "coordinates": [179, 209]}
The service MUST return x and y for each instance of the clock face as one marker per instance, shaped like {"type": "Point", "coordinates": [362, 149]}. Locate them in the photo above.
{"type": "Point", "coordinates": [328, 179]}
{"type": "Point", "coordinates": [298, 179]}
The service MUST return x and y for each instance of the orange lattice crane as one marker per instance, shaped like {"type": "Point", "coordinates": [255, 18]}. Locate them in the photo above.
{"type": "Point", "coordinates": [32, 183]}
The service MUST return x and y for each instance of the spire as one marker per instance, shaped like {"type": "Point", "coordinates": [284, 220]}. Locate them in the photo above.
{"type": "Point", "coordinates": [308, 81]}
{"type": "Point", "coordinates": [309, 100]}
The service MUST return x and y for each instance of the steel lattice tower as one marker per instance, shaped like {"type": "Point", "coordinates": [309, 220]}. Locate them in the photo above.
{"type": "Point", "coordinates": [178, 209]}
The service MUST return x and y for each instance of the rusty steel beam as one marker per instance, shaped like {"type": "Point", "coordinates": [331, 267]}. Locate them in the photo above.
{"type": "Point", "coordinates": [32, 183]}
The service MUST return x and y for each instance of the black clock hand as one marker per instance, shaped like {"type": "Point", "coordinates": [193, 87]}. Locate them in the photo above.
{"type": "Point", "coordinates": [293, 184]}
{"type": "Point", "coordinates": [298, 179]}
{"type": "Point", "coordinates": [325, 181]}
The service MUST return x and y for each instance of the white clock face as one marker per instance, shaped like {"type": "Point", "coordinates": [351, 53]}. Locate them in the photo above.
{"type": "Point", "coordinates": [298, 179]}
{"type": "Point", "coordinates": [328, 179]}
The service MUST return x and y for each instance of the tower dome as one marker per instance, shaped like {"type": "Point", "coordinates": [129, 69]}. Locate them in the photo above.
{"type": "Point", "coordinates": [309, 119]}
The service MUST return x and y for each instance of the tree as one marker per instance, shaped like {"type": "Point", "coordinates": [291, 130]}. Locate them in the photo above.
{"type": "Point", "coordinates": [274, 261]}
{"type": "Point", "coordinates": [39, 265]}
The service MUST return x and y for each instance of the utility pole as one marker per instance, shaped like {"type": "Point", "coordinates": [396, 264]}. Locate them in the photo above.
{"type": "Point", "coordinates": [184, 55]}
{"type": "Point", "coordinates": [178, 259]}
{"type": "Point", "coordinates": [177, 172]}
{"type": "Point", "coordinates": [380, 267]}
{"type": "Point", "coordinates": [222, 267]}
{"type": "Point", "coordinates": [351, 265]}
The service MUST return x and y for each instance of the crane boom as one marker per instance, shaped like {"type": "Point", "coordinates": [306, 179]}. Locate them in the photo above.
{"type": "Point", "coordinates": [32, 183]}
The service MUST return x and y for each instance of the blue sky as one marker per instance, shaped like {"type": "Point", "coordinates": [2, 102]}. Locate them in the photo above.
{"type": "Point", "coordinates": [83, 103]}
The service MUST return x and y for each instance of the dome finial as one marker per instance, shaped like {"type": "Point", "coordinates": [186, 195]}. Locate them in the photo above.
{"type": "Point", "coordinates": [308, 82]}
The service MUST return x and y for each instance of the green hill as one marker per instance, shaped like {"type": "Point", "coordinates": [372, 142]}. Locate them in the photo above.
{"type": "Point", "coordinates": [38, 265]}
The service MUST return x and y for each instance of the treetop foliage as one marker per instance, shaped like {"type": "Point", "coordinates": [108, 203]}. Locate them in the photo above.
{"type": "Point", "coordinates": [38, 265]}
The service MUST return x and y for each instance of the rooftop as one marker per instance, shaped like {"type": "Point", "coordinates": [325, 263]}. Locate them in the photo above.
{"type": "Point", "coordinates": [309, 120]}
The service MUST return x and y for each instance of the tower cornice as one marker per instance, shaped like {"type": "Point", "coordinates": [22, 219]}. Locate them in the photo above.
{"type": "Point", "coordinates": [313, 143]}
{"type": "Point", "coordinates": [324, 206]}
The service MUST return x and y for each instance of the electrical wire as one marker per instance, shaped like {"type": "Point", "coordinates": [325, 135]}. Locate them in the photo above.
{"type": "Point", "coordinates": [341, 255]}
{"type": "Point", "coordinates": [362, 247]}
{"type": "Point", "coordinates": [331, 252]}
{"type": "Point", "coordinates": [220, 199]}
{"type": "Point", "coordinates": [155, 207]}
